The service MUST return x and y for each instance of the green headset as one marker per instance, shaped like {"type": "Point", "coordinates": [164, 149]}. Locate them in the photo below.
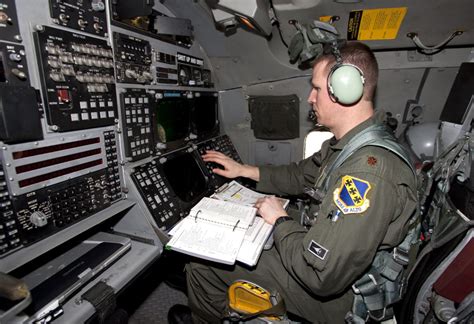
{"type": "Point", "coordinates": [345, 81]}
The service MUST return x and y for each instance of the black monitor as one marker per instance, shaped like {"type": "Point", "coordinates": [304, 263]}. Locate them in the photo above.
{"type": "Point", "coordinates": [186, 177]}
{"type": "Point", "coordinates": [172, 119]}
{"type": "Point", "coordinates": [131, 9]}
{"type": "Point", "coordinates": [205, 120]}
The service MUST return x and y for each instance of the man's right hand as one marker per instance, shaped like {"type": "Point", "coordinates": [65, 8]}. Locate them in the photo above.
{"type": "Point", "coordinates": [231, 169]}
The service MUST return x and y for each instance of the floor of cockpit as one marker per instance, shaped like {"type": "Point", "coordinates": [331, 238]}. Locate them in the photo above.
{"type": "Point", "coordinates": [151, 295]}
{"type": "Point", "coordinates": [155, 308]}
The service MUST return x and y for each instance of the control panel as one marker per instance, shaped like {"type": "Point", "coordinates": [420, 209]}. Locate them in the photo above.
{"type": "Point", "coordinates": [222, 144]}
{"type": "Point", "coordinates": [133, 59]}
{"type": "Point", "coordinates": [9, 233]}
{"type": "Point", "coordinates": [191, 72]}
{"type": "Point", "coordinates": [46, 211]}
{"type": "Point", "coordinates": [9, 30]}
{"type": "Point", "coordinates": [87, 16]}
{"type": "Point", "coordinates": [166, 70]}
{"type": "Point", "coordinates": [112, 167]}
{"type": "Point", "coordinates": [54, 184]}
{"type": "Point", "coordinates": [137, 123]}
{"type": "Point", "coordinates": [91, 107]}
{"type": "Point", "coordinates": [13, 67]}
{"type": "Point", "coordinates": [171, 184]}
{"type": "Point", "coordinates": [77, 76]}
{"type": "Point", "coordinates": [155, 191]}
{"type": "Point", "coordinates": [165, 58]}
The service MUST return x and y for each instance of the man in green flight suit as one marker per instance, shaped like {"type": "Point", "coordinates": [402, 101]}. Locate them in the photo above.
{"type": "Point", "coordinates": [367, 207]}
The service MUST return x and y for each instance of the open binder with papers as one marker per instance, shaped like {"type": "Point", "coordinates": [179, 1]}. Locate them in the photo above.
{"type": "Point", "coordinates": [237, 193]}
{"type": "Point", "coordinates": [223, 213]}
{"type": "Point", "coordinates": [221, 231]}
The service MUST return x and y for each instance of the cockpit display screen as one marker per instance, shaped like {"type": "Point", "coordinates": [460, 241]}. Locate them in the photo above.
{"type": "Point", "coordinates": [205, 119]}
{"type": "Point", "coordinates": [185, 177]}
{"type": "Point", "coordinates": [172, 119]}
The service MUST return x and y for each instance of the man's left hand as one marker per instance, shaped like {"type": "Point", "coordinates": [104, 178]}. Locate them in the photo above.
{"type": "Point", "coordinates": [270, 208]}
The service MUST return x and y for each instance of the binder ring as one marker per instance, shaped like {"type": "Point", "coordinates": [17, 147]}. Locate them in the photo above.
{"type": "Point", "coordinates": [196, 216]}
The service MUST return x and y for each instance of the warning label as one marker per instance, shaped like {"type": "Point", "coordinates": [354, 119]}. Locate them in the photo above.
{"type": "Point", "coordinates": [375, 24]}
{"type": "Point", "coordinates": [326, 19]}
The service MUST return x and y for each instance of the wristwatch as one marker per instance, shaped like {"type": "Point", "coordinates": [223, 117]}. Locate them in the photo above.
{"type": "Point", "coordinates": [282, 219]}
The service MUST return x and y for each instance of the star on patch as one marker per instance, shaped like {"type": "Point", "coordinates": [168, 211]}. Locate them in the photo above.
{"type": "Point", "coordinates": [371, 160]}
{"type": "Point", "coordinates": [351, 196]}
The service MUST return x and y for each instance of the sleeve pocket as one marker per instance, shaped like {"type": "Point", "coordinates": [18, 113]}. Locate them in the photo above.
{"type": "Point", "coordinates": [317, 259]}
{"type": "Point", "coordinates": [321, 241]}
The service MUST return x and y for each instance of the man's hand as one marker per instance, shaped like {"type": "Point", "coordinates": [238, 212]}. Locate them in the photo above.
{"type": "Point", "coordinates": [270, 208]}
{"type": "Point", "coordinates": [232, 169]}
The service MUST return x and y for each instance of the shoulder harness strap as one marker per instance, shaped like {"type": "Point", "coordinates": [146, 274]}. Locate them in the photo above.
{"type": "Point", "coordinates": [375, 135]}
{"type": "Point", "coordinates": [384, 284]}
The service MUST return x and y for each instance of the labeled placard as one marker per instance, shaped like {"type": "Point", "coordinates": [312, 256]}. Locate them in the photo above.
{"type": "Point", "coordinates": [375, 24]}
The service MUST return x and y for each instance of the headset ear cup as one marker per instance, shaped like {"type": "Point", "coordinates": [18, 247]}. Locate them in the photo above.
{"type": "Point", "coordinates": [346, 82]}
{"type": "Point", "coordinates": [330, 88]}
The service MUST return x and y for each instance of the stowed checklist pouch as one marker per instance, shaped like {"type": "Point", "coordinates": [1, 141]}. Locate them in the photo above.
{"type": "Point", "coordinates": [275, 117]}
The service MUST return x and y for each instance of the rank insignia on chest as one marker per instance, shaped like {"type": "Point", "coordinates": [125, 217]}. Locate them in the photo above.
{"type": "Point", "coordinates": [351, 196]}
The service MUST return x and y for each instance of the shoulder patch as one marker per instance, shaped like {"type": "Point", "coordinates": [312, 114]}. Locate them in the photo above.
{"type": "Point", "coordinates": [351, 196]}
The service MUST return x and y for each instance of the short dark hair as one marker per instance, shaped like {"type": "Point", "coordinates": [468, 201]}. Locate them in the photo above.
{"type": "Point", "coordinates": [360, 55]}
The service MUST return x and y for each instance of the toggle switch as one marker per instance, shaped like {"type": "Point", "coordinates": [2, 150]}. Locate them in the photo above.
{"type": "Point", "coordinates": [63, 96]}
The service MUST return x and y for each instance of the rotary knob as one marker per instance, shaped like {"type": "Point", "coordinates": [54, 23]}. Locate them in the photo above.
{"type": "Point", "coordinates": [38, 218]}
{"type": "Point", "coordinates": [98, 5]}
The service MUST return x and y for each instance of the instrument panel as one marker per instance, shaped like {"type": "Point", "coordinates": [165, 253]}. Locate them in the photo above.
{"type": "Point", "coordinates": [9, 24]}
{"type": "Point", "coordinates": [97, 133]}
{"type": "Point", "coordinates": [86, 16]}
{"type": "Point", "coordinates": [51, 184]}
{"type": "Point", "coordinates": [78, 80]}
{"type": "Point", "coordinates": [137, 123]}
{"type": "Point", "coordinates": [172, 183]}
{"type": "Point", "coordinates": [13, 65]}
{"type": "Point", "coordinates": [133, 59]}
{"type": "Point", "coordinates": [85, 115]}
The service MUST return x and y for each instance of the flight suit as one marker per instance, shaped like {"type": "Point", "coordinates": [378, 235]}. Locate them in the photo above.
{"type": "Point", "coordinates": [368, 205]}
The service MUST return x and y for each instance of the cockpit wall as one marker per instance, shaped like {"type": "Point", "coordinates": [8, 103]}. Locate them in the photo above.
{"type": "Point", "coordinates": [246, 64]}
